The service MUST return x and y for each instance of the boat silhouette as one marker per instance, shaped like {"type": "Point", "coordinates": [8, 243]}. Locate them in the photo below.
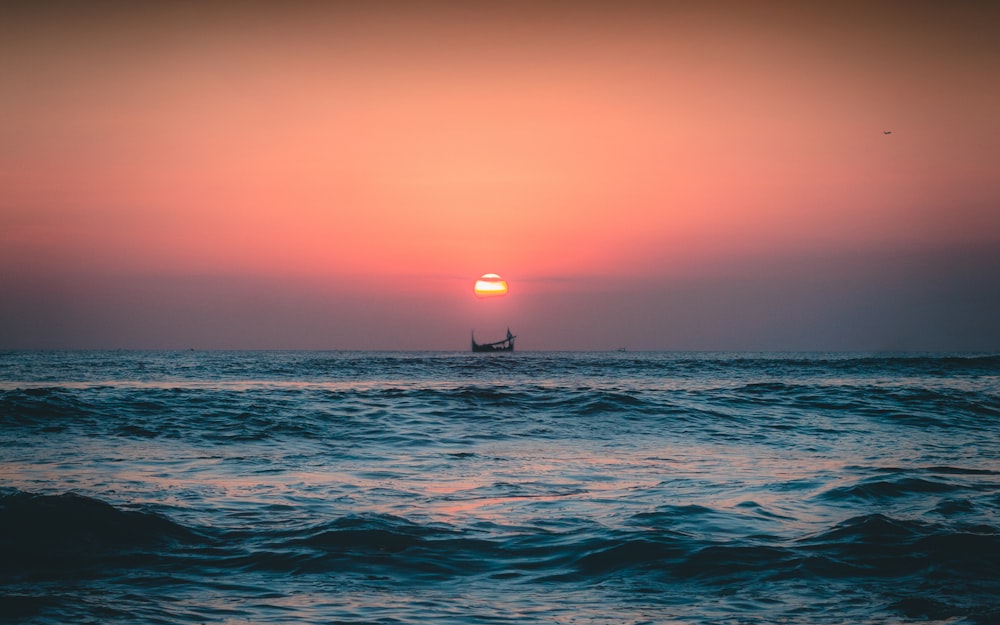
{"type": "Point", "coordinates": [504, 345]}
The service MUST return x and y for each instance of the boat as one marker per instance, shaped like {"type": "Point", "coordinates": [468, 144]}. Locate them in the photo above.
{"type": "Point", "coordinates": [505, 345]}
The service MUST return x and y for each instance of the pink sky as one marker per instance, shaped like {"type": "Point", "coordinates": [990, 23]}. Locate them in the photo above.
{"type": "Point", "coordinates": [694, 176]}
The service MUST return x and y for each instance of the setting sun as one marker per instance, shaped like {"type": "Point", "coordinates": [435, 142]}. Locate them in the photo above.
{"type": "Point", "coordinates": [490, 285]}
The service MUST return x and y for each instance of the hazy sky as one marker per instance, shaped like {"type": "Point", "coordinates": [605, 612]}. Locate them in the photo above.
{"type": "Point", "coordinates": [671, 175]}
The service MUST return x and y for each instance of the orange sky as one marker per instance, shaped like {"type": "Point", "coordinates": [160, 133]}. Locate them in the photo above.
{"type": "Point", "coordinates": [351, 155]}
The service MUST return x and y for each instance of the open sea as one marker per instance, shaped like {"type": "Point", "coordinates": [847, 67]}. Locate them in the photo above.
{"type": "Point", "coordinates": [454, 488]}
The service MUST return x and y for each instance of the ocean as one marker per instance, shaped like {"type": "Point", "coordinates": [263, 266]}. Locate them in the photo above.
{"type": "Point", "coordinates": [446, 488]}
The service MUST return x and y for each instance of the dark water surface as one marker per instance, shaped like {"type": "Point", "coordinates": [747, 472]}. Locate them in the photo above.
{"type": "Point", "coordinates": [326, 487]}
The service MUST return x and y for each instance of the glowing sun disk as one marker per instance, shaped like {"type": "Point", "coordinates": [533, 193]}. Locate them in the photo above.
{"type": "Point", "coordinates": [490, 285]}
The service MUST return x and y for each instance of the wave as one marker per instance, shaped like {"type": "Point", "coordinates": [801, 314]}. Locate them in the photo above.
{"type": "Point", "coordinates": [93, 367]}
{"type": "Point", "coordinates": [419, 413]}
{"type": "Point", "coordinates": [45, 406]}
{"type": "Point", "coordinates": [224, 416]}
{"type": "Point", "coordinates": [62, 534]}
{"type": "Point", "coordinates": [56, 529]}
{"type": "Point", "coordinates": [917, 566]}
{"type": "Point", "coordinates": [876, 545]}
{"type": "Point", "coordinates": [879, 490]}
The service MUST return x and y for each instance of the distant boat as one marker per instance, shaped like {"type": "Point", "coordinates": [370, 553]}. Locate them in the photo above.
{"type": "Point", "coordinates": [505, 345]}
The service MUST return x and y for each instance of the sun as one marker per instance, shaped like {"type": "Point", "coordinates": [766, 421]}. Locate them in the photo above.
{"type": "Point", "coordinates": [490, 285]}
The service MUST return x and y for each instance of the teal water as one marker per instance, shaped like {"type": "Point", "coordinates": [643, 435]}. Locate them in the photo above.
{"type": "Point", "coordinates": [377, 487]}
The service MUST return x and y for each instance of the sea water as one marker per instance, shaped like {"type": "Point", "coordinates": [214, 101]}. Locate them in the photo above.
{"type": "Point", "coordinates": [584, 488]}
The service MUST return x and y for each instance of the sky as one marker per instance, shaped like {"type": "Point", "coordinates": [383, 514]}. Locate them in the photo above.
{"type": "Point", "coordinates": [647, 175]}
